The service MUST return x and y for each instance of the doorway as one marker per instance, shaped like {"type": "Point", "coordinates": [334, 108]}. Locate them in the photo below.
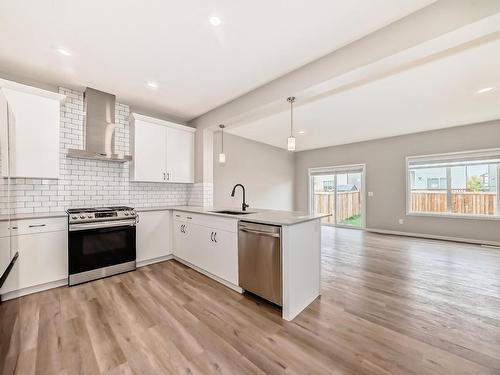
{"type": "Point", "coordinates": [339, 191]}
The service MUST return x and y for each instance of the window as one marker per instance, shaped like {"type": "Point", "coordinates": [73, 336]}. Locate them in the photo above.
{"type": "Point", "coordinates": [328, 185]}
{"type": "Point", "coordinates": [459, 184]}
{"type": "Point", "coordinates": [338, 191]}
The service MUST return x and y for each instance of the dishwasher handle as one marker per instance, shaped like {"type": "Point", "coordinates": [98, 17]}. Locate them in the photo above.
{"type": "Point", "coordinates": [260, 233]}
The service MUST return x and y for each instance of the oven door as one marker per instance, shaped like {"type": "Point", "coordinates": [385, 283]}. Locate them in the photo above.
{"type": "Point", "coordinates": [96, 245]}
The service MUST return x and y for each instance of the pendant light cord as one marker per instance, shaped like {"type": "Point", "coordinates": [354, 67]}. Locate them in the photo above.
{"type": "Point", "coordinates": [222, 135]}
{"type": "Point", "coordinates": [291, 100]}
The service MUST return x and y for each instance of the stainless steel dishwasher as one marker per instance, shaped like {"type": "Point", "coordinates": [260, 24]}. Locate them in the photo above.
{"type": "Point", "coordinates": [259, 260]}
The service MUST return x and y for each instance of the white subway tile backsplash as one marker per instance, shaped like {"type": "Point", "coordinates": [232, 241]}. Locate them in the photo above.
{"type": "Point", "coordinates": [95, 183]}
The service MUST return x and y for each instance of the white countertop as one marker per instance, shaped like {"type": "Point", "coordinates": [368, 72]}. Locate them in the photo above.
{"type": "Point", "coordinates": [273, 217]}
{"type": "Point", "coordinates": [37, 215]}
{"type": "Point", "coordinates": [257, 215]}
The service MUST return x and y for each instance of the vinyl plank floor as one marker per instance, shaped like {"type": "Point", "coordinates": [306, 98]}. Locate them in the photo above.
{"type": "Point", "coordinates": [389, 305]}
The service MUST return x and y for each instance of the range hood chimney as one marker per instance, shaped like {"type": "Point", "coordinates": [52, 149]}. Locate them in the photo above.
{"type": "Point", "coordinates": [99, 128]}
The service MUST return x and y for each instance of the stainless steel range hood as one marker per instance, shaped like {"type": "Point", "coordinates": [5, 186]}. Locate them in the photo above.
{"type": "Point", "coordinates": [99, 128]}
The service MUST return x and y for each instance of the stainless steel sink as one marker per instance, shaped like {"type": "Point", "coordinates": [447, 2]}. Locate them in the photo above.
{"type": "Point", "coordinates": [230, 212]}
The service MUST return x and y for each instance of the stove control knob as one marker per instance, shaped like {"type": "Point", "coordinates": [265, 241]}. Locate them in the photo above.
{"type": "Point", "coordinates": [82, 216]}
{"type": "Point", "coordinates": [74, 217]}
{"type": "Point", "coordinates": [89, 216]}
{"type": "Point", "coordinates": [126, 213]}
{"type": "Point", "coordinates": [132, 213]}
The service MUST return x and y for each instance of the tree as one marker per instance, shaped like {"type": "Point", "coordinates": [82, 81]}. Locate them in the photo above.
{"type": "Point", "coordinates": [474, 183]}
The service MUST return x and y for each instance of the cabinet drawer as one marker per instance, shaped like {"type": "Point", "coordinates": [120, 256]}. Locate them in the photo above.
{"type": "Point", "coordinates": [212, 221]}
{"type": "Point", "coordinates": [180, 216]}
{"type": "Point", "coordinates": [31, 226]}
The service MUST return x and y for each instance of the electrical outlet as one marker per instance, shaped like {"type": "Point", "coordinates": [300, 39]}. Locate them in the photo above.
{"type": "Point", "coordinates": [370, 193]}
{"type": "Point", "coordinates": [401, 221]}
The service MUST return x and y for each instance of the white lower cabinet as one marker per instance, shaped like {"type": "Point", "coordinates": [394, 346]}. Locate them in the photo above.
{"type": "Point", "coordinates": [43, 256]}
{"type": "Point", "coordinates": [4, 254]}
{"type": "Point", "coordinates": [200, 241]}
{"type": "Point", "coordinates": [221, 253]}
{"type": "Point", "coordinates": [154, 240]}
{"type": "Point", "coordinates": [181, 247]}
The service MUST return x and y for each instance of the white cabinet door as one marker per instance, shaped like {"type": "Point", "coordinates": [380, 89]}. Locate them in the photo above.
{"type": "Point", "coordinates": [34, 135]}
{"type": "Point", "coordinates": [180, 155]}
{"type": "Point", "coordinates": [222, 255]}
{"type": "Point", "coordinates": [153, 235]}
{"type": "Point", "coordinates": [179, 246]}
{"type": "Point", "coordinates": [199, 239]}
{"type": "Point", "coordinates": [43, 258]}
{"type": "Point", "coordinates": [188, 245]}
{"type": "Point", "coordinates": [4, 254]}
{"type": "Point", "coordinates": [4, 121]}
{"type": "Point", "coordinates": [150, 152]}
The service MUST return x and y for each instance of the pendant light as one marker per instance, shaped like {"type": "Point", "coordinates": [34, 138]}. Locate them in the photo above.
{"type": "Point", "coordinates": [291, 139]}
{"type": "Point", "coordinates": [222, 155]}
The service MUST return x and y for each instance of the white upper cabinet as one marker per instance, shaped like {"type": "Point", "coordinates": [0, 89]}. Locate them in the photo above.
{"type": "Point", "coordinates": [161, 151]}
{"type": "Point", "coordinates": [150, 152]}
{"type": "Point", "coordinates": [29, 122]}
{"type": "Point", "coordinates": [180, 155]}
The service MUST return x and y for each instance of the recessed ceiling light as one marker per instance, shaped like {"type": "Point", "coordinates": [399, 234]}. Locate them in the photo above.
{"type": "Point", "coordinates": [215, 21]}
{"type": "Point", "coordinates": [153, 85]}
{"type": "Point", "coordinates": [64, 52]}
{"type": "Point", "coordinates": [486, 89]}
{"type": "Point", "coordinates": [301, 132]}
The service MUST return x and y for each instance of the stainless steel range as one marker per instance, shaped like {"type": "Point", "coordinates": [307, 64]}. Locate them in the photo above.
{"type": "Point", "coordinates": [101, 242]}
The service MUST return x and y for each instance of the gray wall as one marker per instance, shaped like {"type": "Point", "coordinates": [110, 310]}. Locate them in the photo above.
{"type": "Point", "coordinates": [267, 173]}
{"type": "Point", "coordinates": [385, 177]}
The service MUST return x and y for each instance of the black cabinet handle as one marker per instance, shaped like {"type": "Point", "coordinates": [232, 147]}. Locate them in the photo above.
{"type": "Point", "coordinates": [189, 217]}
{"type": "Point", "coordinates": [215, 237]}
{"type": "Point", "coordinates": [212, 236]}
{"type": "Point", "coordinates": [37, 225]}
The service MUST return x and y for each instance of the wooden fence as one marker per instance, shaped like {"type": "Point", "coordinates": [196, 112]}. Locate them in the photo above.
{"type": "Point", "coordinates": [473, 203]}
{"type": "Point", "coordinates": [349, 205]}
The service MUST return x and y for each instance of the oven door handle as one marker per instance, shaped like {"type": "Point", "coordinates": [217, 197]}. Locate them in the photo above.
{"type": "Point", "coordinates": [104, 224]}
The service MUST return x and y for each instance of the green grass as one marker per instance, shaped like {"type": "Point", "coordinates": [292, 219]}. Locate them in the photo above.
{"type": "Point", "coordinates": [353, 220]}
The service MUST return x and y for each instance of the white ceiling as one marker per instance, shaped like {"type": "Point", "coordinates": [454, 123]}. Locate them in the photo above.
{"type": "Point", "coordinates": [119, 45]}
{"type": "Point", "coordinates": [434, 95]}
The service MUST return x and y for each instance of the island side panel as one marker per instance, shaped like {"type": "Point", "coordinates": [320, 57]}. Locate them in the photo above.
{"type": "Point", "coordinates": [301, 266]}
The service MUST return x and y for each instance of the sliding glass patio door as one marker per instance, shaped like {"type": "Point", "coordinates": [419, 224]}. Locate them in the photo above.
{"type": "Point", "coordinates": [338, 191]}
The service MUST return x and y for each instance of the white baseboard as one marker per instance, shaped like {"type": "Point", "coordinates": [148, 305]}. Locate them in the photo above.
{"type": "Point", "coordinates": [147, 262]}
{"type": "Point", "coordinates": [34, 289]}
{"type": "Point", "coordinates": [433, 237]}
{"type": "Point", "coordinates": [236, 288]}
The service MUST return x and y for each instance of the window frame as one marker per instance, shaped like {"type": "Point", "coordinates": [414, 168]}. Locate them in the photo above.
{"type": "Point", "coordinates": [444, 157]}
